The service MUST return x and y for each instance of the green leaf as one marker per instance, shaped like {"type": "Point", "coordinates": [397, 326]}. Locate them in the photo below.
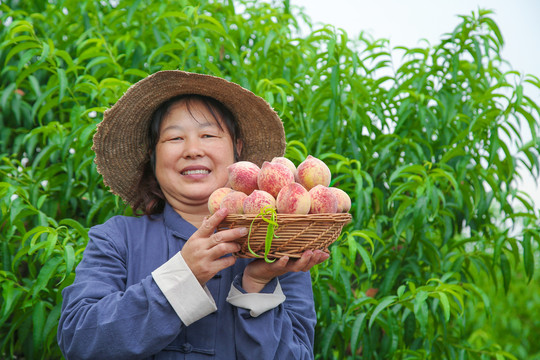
{"type": "Point", "coordinates": [445, 305]}
{"type": "Point", "coordinates": [383, 304]}
{"type": "Point", "coordinates": [421, 310]}
{"type": "Point", "coordinates": [36, 245]}
{"type": "Point", "coordinates": [528, 256]}
{"type": "Point", "coordinates": [357, 330]}
{"type": "Point", "coordinates": [62, 79]}
{"type": "Point", "coordinates": [171, 49]}
{"type": "Point", "coordinates": [366, 258]}
{"type": "Point", "coordinates": [11, 293]}
{"type": "Point", "coordinates": [407, 171]}
{"type": "Point", "coordinates": [38, 323]}
{"type": "Point", "coordinates": [20, 49]}
{"type": "Point", "coordinates": [202, 49]}
{"type": "Point", "coordinates": [52, 321]}
{"type": "Point", "coordinates": [47, 272]}
{"type": "Point", "coordinates": [136, 72]}
{"type": "Point", "coordinates": [81, 230]}
{"type": "Point", "coordinates": [506, 271]}
{"type": "Point", "coordinates": [34, 233]}
{"type": "Point", "coordinates": [69, 258]}
{"type": "Point", "coordinates": [328, 336]}
{"type": "Point", "coordinates": [390, 276]}
{"type": "Point", "coordinates": [268, 42]}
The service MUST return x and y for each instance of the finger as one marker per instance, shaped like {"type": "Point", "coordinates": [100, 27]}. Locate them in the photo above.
{"type": "Point", "coordinates": [224, 248]}
{"type": "Point", "coordinates": [227, 235]}
{"type": "Point", "coordinates": [324, 256]}
{"type": "Point", "coordinates": [278, 267]}
{"type": "Point", "coordinates": [308, 259]}
{"type": "Point", "coordinates": [304, 261]}
{"type": "Point", "coordinates": [210, 224]}
{"type": "Point", "coordinates": [282, 262]}
{"type": "Point", "coordinates": [317, 258]}
{"type": "Point", "coordinates": [224, 263]}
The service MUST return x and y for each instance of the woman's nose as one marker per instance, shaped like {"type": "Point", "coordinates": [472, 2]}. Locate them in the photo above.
{"type": "Point", "coordinates": [193, 148]}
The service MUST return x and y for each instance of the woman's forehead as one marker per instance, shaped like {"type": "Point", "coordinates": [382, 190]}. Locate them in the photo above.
{"type": "Point", "coordinates": [196, 110]}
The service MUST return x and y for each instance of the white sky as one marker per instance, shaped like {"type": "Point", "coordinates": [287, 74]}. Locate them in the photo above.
{"type": "Point", "coordinates": [406, 23]}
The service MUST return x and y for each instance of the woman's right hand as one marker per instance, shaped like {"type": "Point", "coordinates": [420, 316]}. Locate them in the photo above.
{"type": "Point", "coordinates": [205, 251]}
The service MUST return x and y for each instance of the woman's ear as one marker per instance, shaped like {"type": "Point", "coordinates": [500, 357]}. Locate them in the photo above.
{"type": "Point", "coordinates": [238, 151]}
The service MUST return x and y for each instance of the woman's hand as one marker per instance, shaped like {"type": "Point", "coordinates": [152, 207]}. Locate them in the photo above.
{"type": "Point", "coordinates": [205, 251]}
{"type": "Point", "coordinates": [258, 273]}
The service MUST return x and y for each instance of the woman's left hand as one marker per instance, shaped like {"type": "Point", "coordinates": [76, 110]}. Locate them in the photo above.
{"type": "Point", "coordinates": [258, 273]}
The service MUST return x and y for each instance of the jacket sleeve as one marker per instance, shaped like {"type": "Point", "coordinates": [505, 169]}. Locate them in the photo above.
{"type": "Point", "coordinates": [284, 332]}
{"type": "Point", "coordinates": [102, 318]}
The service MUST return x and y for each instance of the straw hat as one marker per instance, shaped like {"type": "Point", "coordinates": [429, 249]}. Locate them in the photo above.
{"type": "Point", "coordinates": [121, 140]}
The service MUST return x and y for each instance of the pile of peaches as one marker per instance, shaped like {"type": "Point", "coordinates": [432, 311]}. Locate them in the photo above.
{"type": "Point", "coordinates": [282, 186]}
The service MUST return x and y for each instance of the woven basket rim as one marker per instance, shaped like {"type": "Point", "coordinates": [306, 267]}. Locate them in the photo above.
{"type": "Point", "coordinates": [339, 217]}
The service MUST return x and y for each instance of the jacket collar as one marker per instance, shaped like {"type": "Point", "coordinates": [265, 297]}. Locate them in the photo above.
{"type": "Point", "coordinates": [179, 227]}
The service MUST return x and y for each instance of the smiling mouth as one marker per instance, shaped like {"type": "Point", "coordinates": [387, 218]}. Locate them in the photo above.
{"type": "Point", "coordinates": [195, 172]}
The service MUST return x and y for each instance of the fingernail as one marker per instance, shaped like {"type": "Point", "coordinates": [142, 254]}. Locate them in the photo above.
{"type": "Point", "coordinates": [243, 231]}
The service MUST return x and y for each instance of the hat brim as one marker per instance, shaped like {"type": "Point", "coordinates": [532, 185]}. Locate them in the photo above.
{"type": "Point", "coordinates": [121, 140]}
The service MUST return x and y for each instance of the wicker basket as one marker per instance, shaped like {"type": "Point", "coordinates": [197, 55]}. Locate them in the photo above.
{"type": "Point", "coordinates": [294, 235]}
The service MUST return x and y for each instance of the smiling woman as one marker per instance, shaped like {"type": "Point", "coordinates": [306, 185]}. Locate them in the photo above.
{"type": "Point", "coordinates": [170, 272]}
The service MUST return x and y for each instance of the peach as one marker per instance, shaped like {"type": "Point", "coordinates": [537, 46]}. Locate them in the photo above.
{"type": "Point", "coordinates": [323, 200]}
{"type": "Point", "coordinates": [257, 200]}
{"type": "Point", "coordinates": [293, 199]}
{"type": "Point", "coordinates": [234, 201]}
{"type": "Point", "coordinates": [344, 200]}
{"type": "Point", "coordinates": [243, 176]}
{"type": "Point", "coordinates": [283, 160]}
{"type": "Point", "coordinates": [312, 172]}
{"type": "Point", "coordinates": [216, 197]}
{"type": "Point", "coordinates": [274, 176]}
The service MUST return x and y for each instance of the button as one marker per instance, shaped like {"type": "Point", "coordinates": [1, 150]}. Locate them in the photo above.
{"type": "Point", "coordinates": [186, 348]}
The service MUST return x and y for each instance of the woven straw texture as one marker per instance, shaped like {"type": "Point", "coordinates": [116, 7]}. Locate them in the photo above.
{"type": "Point", "coordinates": [294, 235]}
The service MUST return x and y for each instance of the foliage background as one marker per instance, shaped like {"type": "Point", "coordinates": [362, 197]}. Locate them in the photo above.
{"type": "Point", "coordinates": [440, 259]}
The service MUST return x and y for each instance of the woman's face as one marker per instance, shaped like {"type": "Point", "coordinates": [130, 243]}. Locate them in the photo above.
{"type": "Point", "coordinates": [192, 155]}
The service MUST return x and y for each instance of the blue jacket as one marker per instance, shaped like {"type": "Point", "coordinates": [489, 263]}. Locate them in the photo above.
{"type": "Point", "coordinates": [115, 310]}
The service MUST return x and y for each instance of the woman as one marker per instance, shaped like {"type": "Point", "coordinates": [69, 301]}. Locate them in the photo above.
{"type": "Point", "coordinates": [164, 285]}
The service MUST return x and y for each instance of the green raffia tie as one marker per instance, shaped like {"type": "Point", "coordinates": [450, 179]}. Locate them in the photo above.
{"type": "Point", "coordinates": [270, 230]}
